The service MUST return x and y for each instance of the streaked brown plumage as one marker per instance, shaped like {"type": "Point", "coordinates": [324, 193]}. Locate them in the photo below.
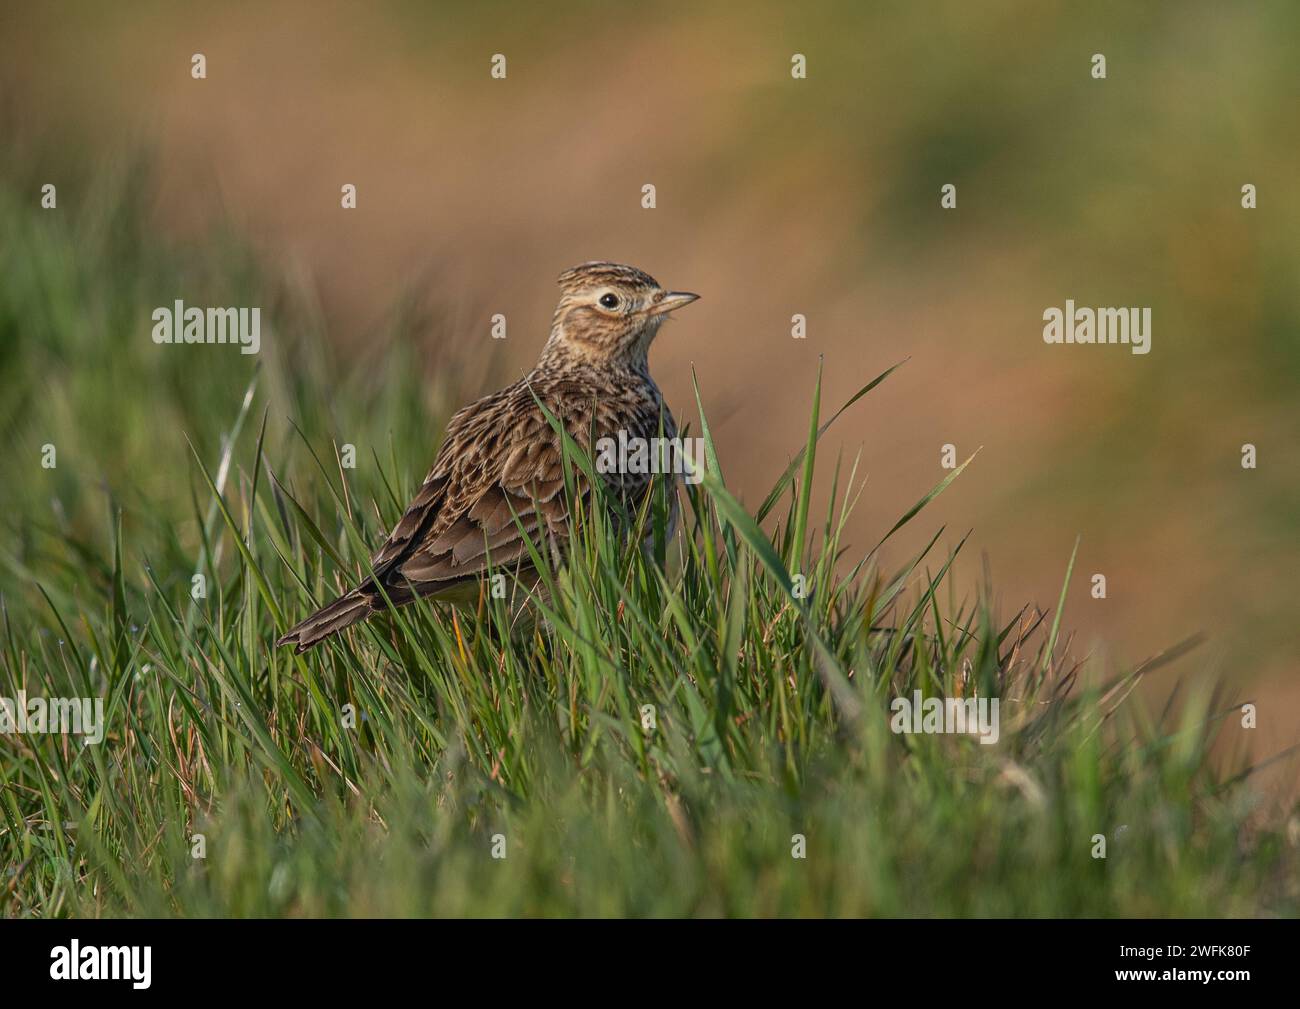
{"type": "Point", "coordinates": [501, 458]}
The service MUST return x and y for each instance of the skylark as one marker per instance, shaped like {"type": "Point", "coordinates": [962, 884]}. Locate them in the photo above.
{"type": "Point", "coordinates": [501, 458]}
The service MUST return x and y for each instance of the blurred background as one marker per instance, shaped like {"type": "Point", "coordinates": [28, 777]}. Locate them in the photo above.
{"type": "Point", "coordinates": [775, 196]}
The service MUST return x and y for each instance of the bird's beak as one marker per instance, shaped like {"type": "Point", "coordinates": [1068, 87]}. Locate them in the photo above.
{"type": "Point", "coordinates": [672, 300]}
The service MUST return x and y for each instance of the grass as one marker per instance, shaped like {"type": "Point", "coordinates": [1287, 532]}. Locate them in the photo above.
{"type": "Point", "coordinates": [379, 774]}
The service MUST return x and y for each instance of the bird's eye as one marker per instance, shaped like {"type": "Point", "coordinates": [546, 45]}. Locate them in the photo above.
{"type": "Point", "coordinates": [609, 300]}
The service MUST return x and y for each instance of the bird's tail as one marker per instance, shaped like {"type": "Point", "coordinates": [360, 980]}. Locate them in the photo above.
{"type": "Point", "coordinates": [343, 612]}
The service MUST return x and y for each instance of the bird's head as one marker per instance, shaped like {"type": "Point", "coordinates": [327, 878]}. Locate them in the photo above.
{"type": "Point", "coordinates": [609, 314]}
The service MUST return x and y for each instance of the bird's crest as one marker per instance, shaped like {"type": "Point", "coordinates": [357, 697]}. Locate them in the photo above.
{"type": "Point", "coordinates": [599, 272]}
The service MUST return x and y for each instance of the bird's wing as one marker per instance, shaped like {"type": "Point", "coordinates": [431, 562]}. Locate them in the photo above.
{"type": "Point", "coordinates": [501, 460]}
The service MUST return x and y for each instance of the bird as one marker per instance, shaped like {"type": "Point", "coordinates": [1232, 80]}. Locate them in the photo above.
{"type": "Point", "coordinates": [500, 465]}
